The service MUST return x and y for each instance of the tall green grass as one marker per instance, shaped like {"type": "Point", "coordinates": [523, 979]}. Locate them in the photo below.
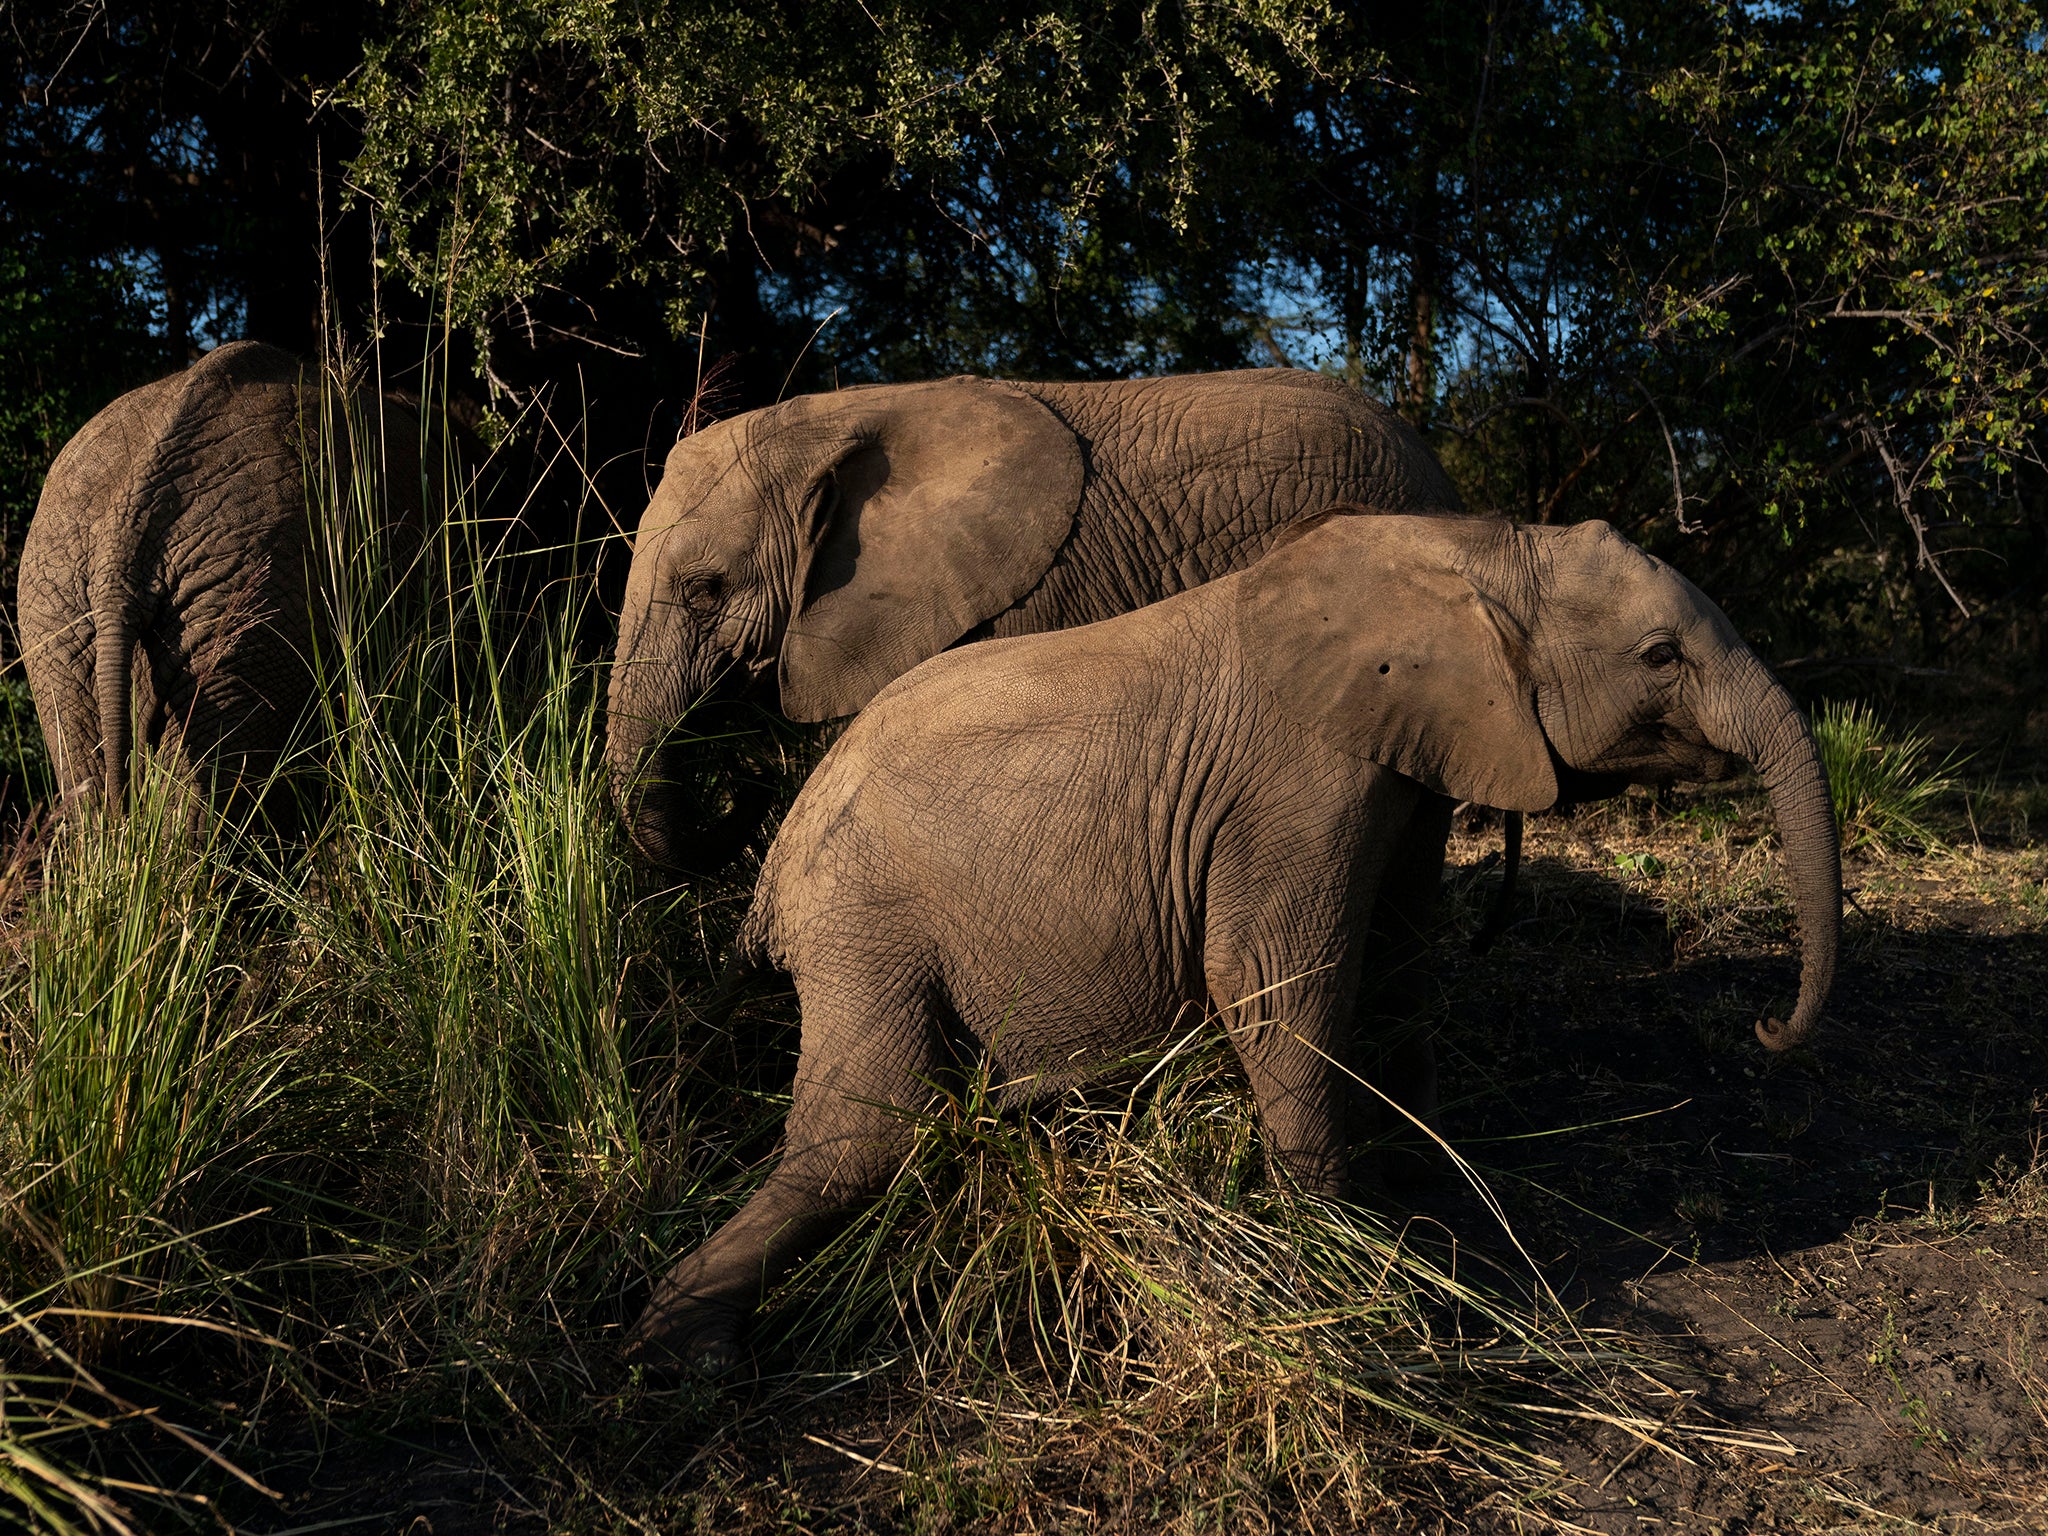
{"type": "Point", "coordinates": [1884, 785]}
{"type": "Point", "coordinates": [142, 1054]}
{"type": "Point", "coordinates": [470, 896]}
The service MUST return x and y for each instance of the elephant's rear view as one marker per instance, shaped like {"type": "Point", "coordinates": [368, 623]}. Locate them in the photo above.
{"type": "Point", "coordinates": [164, 584]}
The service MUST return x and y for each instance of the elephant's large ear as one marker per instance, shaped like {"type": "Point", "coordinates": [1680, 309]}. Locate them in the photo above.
{"type": "Point", "coordinates": [945, 507]}
{"type": "Point", "coordinates": [1366, 631]}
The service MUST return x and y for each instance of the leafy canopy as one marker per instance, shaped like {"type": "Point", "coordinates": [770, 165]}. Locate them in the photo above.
{"type": "Point", "coordinates": [513, 145]}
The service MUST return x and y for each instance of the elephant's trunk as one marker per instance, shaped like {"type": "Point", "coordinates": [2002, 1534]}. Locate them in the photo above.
{"type": "Point", "coordinates": [648, 698]}
{"type": "Point", "coordinates": [1752, 715]}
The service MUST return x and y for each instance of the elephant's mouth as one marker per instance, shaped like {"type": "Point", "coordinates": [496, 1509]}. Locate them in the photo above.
{"type": "Point", "coordinates": [1671, 756]}
{"type": "Point", "coordinates": [1577, 786]}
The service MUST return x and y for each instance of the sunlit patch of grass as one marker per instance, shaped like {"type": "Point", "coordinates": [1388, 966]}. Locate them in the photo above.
{"type": "Point", "coordinates": [1884, 785]}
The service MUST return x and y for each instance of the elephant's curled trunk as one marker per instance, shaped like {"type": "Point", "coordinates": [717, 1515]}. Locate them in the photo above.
{"type": "Point", "coordinates": [1764, 725]}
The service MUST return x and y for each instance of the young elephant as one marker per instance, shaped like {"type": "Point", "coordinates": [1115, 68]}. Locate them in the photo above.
{"type": "Point", "coordinates": [164, 577]}
{"type": "Point", "coordinates": [1051, 845]}
{"type": "Point", "coordinates": [812, 552]}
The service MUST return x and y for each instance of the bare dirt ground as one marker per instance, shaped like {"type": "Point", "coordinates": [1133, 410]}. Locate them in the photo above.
{"type": "Point", "coordinates": [1848, 1246]}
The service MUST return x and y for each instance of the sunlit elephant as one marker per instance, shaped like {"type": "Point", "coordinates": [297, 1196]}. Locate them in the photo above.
{"type": "Point", "coordinates": [1047, 848]}
{"type": "Point", "coordinates": [163, 588]}
{"type": "Point", "coordinates": [810, 553]}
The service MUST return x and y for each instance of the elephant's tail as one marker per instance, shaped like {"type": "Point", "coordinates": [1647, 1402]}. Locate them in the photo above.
{"type": "Point", "coordinates": [113, 654]}
{"type": "Point", "coordinates": [753, 950]}
{"type": "Point", "coordinates": [114, 589]}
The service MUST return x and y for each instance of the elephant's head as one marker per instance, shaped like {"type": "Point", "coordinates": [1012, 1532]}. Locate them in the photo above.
{"type": "Point", "coordinates": [1516, 666]}
{"type": "Point", "coordinates": [813, 552]}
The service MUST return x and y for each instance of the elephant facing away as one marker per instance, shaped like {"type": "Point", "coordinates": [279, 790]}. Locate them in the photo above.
{"type": "Point", "coordinates": [163, 586]}
{"type": "Point", "coordinates": [1044, 848]}
{"type": "Point", "coordinates": [810, 553]}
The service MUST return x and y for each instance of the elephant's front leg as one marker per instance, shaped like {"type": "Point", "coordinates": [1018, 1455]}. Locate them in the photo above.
{"type": "Point", "coordinates": [1291, 1039]}
{"type": "Point", "coordinates": [867, 1060]}
{"type": "Point", "coordinates": [1396, 1041]}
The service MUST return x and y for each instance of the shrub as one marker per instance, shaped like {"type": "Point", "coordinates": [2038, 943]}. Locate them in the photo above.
{"type": "Point", "coordinates": [1882, 785]}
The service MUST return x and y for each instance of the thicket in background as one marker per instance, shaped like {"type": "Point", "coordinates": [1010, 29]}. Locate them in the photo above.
{"type": "Point", "coordinates": [1761, 284]}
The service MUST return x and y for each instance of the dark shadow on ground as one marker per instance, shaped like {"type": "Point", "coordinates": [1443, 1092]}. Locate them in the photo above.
{"type": "Point", "coordinates": [1689, 1134]}
{"type": "Point", "coordinates": [1818, 1240]}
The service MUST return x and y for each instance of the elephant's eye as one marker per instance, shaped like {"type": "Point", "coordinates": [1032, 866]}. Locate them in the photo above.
{"type": "Point", "coordinates": [701, 587]}
{"type": "Point", "coordinates": [1662, 654]}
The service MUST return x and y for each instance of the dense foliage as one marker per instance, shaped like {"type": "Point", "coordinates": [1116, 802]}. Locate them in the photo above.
{"type": "Point", "coordinates": [1761, 283]}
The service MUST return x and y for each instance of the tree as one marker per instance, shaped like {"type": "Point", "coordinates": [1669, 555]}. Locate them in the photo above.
{"type": "Point", "coordinates": [559, 166]}
{"type": "Point", "coordinates": [1763, 284]}
{"type": "Point", "coordinates": [1745, 280]}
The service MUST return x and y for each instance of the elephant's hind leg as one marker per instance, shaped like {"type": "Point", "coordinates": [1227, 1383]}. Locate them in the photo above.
{"type": "Point", "coordinates": [864, 1068]}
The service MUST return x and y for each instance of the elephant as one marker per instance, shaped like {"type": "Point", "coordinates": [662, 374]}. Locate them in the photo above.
{"type": "Point", "coordinates": [1043, 849]}
{"type": "Point", "coordinates": [163, 585]}
{"type": "Point", "coordinates": [809, 553]}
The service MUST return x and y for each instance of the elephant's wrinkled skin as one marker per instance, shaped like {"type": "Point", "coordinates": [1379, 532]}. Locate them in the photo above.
{"type": "Point", "coordinates": [812, 552]}
{"type": "Point", "coordinates": [164, 577]}
{"type": "Point", "coordinates": [1053, 844]}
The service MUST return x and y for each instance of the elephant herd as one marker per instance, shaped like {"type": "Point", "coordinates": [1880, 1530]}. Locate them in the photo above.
{"type": "Point", "coordinates": [1237, 650]}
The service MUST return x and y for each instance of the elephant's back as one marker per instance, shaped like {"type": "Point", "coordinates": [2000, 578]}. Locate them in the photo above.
{"type": "Point", "coordinates": [1278, 426]}
{"type": "Point", "coordinates": [91, 482]}
{"type": "Point", "coordinates": [1192, 477]}
{"type": "Point", "coordinates": [1040, 746]}
{"type": "Point", "coordinates": [237, 392]}
{"type": "Point", "coordinates": [91, 472]}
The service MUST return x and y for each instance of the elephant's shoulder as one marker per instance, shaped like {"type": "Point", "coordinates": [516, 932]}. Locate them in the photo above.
{"type": "Point", "coordinates": [1023, 677]}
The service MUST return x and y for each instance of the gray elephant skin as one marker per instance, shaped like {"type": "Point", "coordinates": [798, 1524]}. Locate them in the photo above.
{"type": "Point", "coordinates": [808, 554]}
{"type": "Point", "coordinates": [163, 583]}
{"type": "Point", "coordinates": [1048, 847]}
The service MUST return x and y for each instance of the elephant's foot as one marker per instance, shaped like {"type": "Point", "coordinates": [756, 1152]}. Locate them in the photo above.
{"type": "Point", "coordinates": [676, 1341]}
